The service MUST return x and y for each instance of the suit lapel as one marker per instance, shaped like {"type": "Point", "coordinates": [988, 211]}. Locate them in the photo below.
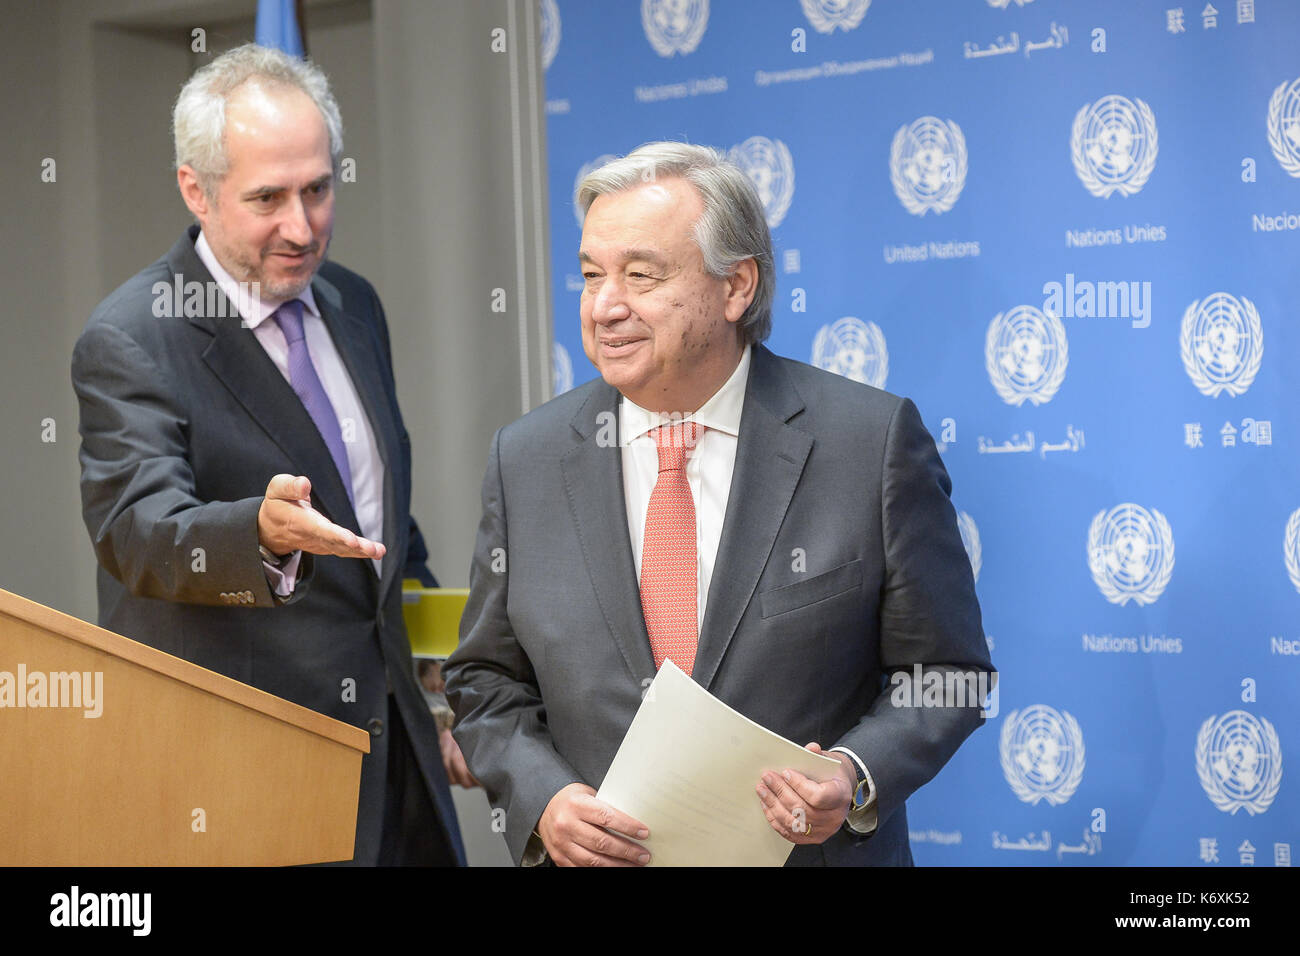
{"type": "Point", "coordinates": [593, 482]}
{"type": "Point", "coordinates": [239, 361]}
{"type": "Point", "coordinates": [353, 340]}
{"type": "Point", "coordinates": [770, 457]}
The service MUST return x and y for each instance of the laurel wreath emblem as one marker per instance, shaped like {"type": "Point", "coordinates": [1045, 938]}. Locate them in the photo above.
{"type": "Point", "coordinates": [903, 188]}
{"type": "Point", "coordinates": [881, 352]}
{"type": "Point", "coordinates": [781, 201]}
{"type": "Point", "coordinates": [664, 44]}
{"type": "Point", "coordinates": [827, 347]}
{"type": "Point", "coordinates": [1137, 178]}
{"type": "Point", "coordinates": [1213, 786]}
{"type": "Point", "coordinates": [782, 163]}
{"type": "Point", "coordinates": [1249, 369]}
{"type": "Point", "coordinates": [550, 32]}
{"type": "Point", "coordinates": [1289, 160]}
{"type": "Point", "coordinates": [1064, 790]}
{"type": "Point", "coordinates": [1097, 563]}
{"type": "Point", "coordinates": [825, 22]}
{"type": "Point", "coordinates": [1291, 548]}
{"type": "Point", "coordinates": [1044, 391]}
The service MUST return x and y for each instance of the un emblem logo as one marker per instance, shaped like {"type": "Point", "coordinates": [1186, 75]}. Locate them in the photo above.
{"type": "Point", "coordinates": [854, 349]}
{"type": "Point", "coordinates": [1003, 4]}
{"type": "Point", "coordinates": [550, 32]}
{"type": "Point", "coordinates": [1025, 354]}
{"type": "Point", "coordinates": [770, 167]}
{"type": "Point", "coordinates": [1130, 554]}
{"type": "Point", "coordinates": [927, 165]}
{"type": "Point", "coordinates": [970, 540]}
{"type": "Point", "coordinates": [1284, 125]}
{"type": "Point", "coordinates": [585, 170]}
{"type": "Point", "coordinates": [561, 369]}
{"type": "Point", "coordinates": [1114, 146]}
{"type": "Point", "coordinates": [827, 15]}
{"type": "Point", "coordinates": [1042, 754]}
{"type": "Point", "coordinates": [1222, 344]}
{"type": "Point", "coordinates": [1239, 761]}
{"type": "Point", "coordinates": [674, 26]}
{"type": "Point", "coordinates": [1291, 548]}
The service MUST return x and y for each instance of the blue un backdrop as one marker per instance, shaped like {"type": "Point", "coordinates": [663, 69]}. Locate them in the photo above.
{"type": "Point", "coordinates": [1070, 233]}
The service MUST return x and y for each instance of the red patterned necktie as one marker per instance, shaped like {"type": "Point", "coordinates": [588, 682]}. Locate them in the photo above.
{"type": "Point", "coordinates": [669, 577]}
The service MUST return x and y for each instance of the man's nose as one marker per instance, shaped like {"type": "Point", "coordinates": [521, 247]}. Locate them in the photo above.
{"type": "Point", "coordinates": [610, 304]}
{"type": "Point", "coordinates": [294, 224]}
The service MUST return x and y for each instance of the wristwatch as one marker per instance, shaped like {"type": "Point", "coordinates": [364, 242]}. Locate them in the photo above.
{"type": "Point", "coordinates": [858, 801]}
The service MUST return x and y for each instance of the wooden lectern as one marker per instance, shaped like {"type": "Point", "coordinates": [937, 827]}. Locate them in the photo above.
{"type": "Point", "coordinates": [181, 766]}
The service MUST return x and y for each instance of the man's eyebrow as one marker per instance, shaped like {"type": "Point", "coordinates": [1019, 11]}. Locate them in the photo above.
{"type": "Point", "coordinates": [253, 193]}
{"type": "Point", "coordinates": [630, 255]}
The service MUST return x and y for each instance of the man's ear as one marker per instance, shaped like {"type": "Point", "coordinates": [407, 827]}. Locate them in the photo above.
{"type": "Point", "coordinates": [742, 285]}
{"type": "Point", "coordinates": [192, 192]}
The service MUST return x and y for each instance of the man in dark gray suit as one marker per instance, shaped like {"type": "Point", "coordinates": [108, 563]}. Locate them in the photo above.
{"type": "Point", "coordinates": [243, 455]}
{"type": "Point", "coordinates": [783, 534]}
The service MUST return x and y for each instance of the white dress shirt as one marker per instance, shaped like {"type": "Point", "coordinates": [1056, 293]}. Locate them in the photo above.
{"type": "Point", "coordinates": [358, 438]}
{"type": "Point", "coordinates": [708, 472]}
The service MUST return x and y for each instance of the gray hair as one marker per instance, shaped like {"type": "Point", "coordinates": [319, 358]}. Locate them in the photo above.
{"type": "Point", "coordinates": [199, 117]}
{"type": "Point", "coordinates": [732, 227]}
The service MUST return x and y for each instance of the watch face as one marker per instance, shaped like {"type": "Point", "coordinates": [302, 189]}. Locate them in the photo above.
{"type": "Point", "coordinates": [860, 795]}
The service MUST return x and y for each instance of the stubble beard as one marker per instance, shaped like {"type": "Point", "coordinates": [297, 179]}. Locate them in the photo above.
{"type": "Point", "coordinates": [245, 270]}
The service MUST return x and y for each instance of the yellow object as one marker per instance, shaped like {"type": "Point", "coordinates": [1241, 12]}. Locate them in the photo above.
{"type": "Point", "coordinates": [432, 617]}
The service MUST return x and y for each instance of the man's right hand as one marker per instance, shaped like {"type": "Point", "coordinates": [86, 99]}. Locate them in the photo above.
{"type": "Point", "coordinates": [572, 828]}
{"type": "Point", "coordinates": [287, 522]}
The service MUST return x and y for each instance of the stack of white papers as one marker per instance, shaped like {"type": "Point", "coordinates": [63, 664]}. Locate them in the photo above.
{"type": "Point", "coordinates": [688, 768]}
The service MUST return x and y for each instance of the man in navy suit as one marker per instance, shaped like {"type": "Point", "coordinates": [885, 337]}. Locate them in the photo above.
{"type": "Point", "coordinates": [800, 553]}
{"type": "Point", "coordinates": [246, 475]}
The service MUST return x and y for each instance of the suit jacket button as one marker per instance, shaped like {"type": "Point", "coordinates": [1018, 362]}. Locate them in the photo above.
{"type": "Point", "coordinates": [375, 726]}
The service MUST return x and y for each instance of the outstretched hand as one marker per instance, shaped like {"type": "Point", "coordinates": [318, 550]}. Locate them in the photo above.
{"type": "Point", "coordinates": [287, 522]}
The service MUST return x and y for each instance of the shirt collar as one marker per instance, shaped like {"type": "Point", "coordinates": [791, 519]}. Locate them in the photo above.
{"type": "Point", "coordinates": [720, 413]}
{"type": "Point", "coordinates": [253, 311]}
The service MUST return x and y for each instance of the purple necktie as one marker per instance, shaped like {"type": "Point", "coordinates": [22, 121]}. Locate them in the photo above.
{"type": "Point", "coordinates": [305, 381]}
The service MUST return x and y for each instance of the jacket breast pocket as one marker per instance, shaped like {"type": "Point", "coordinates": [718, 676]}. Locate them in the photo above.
{"type": "Point", "coordinates": [847, 577]}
